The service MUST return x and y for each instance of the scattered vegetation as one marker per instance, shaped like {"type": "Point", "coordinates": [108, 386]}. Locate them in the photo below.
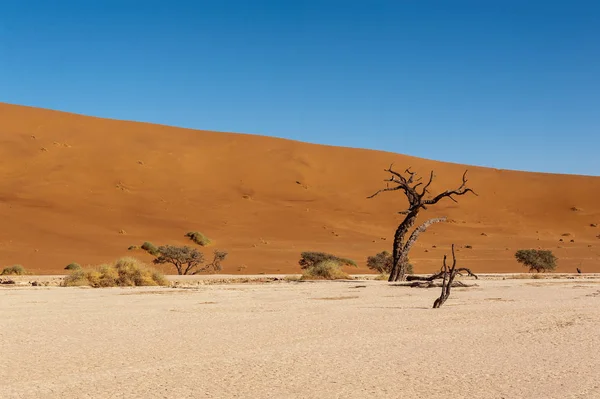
{"type": "Point", "coordinates": [323, 266]}
{"type": "Point", "coordinates": [198, 238]}
{"type": "Point", "coordinates": [125, 272]}
{"type": "Point", "coordinates": [325, 270]}
{"type": "Point", "coordinates": [133, 248]}
{"type": "Point", "coordinates": [15, 270]}
{"type": "Point", "coordinates": [309, 259]}
{"type": "Point", "coordinates": [537, 260]}
{"type": "Point", "coordinates": [150, 248]}
{"type": "Point", "coordinates": [73, 266]}
{"type": "Point", "coordinates": [382, 263]}
{"type": "Point", "coordinates": [188, 260]}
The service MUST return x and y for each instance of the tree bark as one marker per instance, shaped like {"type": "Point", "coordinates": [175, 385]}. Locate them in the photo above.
{"type": "Point", "coordinates": [399, 269]}
{"type": "Point", "coordinates": [399, 255]}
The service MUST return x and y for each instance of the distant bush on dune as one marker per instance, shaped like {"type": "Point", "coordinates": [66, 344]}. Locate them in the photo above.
{"type": "Point", "coordinates": [73, 266]}
{"type": "Point", "coordinates": [15, 270]}
{"type": "Point", "coordinates": [198, 238]}
{"type": "Point", "coordinates": [309, 258]}
{"type": "Point", "coordinates": [189, 260]}
{"type": "Point", "coordinates": [323, 266]}
{"type": "Point", "coordinates": [125, 272]}
{"type": "Point", "coordinates": [325, 270]}
{"type": "Point", "coordinates": [150, 248]}
{"type": "Point", "coordinates": [382, 263]}
{"type": "Point", "coordinates": [537, 260]}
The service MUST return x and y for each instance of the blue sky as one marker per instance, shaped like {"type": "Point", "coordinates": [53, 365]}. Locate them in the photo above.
{"type": "Point", "coordinates": [507, 84]}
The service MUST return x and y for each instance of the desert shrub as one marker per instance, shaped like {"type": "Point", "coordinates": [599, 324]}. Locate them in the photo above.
{"type": "Point", "coordinates": [125, 272]}
{"type": "Point", "coordinates": [198, 238]}
{"type": "Point", "coordinates": [189, 260]}
{"type": "Point", "coordinates": [150, 248]}
{"type": "Point", "coordinates": [133, 247]}
{"type": "Point", "coordinates": [382, 263]}
{"type": "Point", "coordinates": [309, 259]}
{"type": "Point", "coordinates": [382, 277]}
{"type": "Point", "coordinates": [537, 260]}
{"type": "Point", "coordinates": [324, 270]}
{"type": "Point", "coordinates": [73, 266]}
{"type": "Point", "coordinates": [14, 270]}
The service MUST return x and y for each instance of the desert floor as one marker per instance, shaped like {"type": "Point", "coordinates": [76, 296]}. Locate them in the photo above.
{"type": "Point", "coordinates": [353, 339]}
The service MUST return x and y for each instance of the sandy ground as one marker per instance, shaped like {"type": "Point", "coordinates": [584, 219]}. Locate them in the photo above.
{"type": "Point", "coordinates": [80, 189]}
{"type": "Point", "coordinates": [359, 339]}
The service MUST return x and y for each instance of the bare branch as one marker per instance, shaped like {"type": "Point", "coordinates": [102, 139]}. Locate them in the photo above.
{"type": "Point", "coordinates": [462, 190]}
{"type": "Point", "coordinates": [427, 185]}
{"type": "Point", "coordinates": [415, 234]}
{"type": "Point", "coordinates": [384, 190]}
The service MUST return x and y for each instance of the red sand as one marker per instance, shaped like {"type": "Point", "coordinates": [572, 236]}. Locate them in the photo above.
{"type": "Point", "coordinates": [69, 184]}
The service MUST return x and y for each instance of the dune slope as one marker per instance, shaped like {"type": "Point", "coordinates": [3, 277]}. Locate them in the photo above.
{"type": "Point", "coordinates": [81, 189]}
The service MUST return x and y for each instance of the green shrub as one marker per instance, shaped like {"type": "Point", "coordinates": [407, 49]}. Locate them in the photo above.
{"type": "Point", "coordinates": [325, 270]}
{"type": "Point", "coordinates": [15, 270]}
{"type": "Point", "coordinates": [198, 238]}
{"type": "Point", "coordinates": [125, 272]}
{"type": "Point", "coordinates": [73, 266]}
{"type": "Point", "coordinates": [309, 259]}
{"type": "Point", "coordinates": [382, 263]}
{"type": "Point", "coordinates": [150, 248]}
{"type": "Point", "coordinates": [188, 260]}
{"type": "Point", "coordinates": [537, 260]}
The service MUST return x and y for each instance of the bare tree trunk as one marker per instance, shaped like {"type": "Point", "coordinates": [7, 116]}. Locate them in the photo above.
{"type": "Point", "coordinates": [399, 255]}
{"type": "Point", "coordinates": [403, 250]}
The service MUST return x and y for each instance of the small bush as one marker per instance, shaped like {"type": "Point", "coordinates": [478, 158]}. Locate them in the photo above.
{"type": "Point", "coordinates": [133, 247]}
{"type": "Point", "coordinates": [309, 259]}
{"type": "Point", "coordinates": [325, 270]}
{"type": "Point", "coordinates": [73, 266]}
{"type": "Point", "coordinates": [15, 270]}
{"type": "Point", "coordinates": [382, 277]}
{"type": "Point", "coordinates": [150, 248]}
{"type": "Point", "coordinates": [198, 238]}
{"type": "Point", "coordinates": [382, 263]}
{"type": "Point", "coordinates": [537, 260]}
{"type": "Point", "coordinates": [125, 272]}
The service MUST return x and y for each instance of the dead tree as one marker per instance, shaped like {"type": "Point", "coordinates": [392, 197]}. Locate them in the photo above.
{"type": "Point", "coordinates": [449, 274]}
{"type": "Point", "coordinates": [441, 274]}
{"type": "Point", "coordinates": [418, 198]}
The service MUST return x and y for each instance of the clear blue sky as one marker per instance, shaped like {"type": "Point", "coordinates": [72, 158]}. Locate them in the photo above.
{"type": "Point", "coordinates": [504, 83]}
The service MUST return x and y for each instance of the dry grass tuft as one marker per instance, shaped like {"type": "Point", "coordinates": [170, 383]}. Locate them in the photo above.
{"type": "Point", "coordinates": [15, 270]}
{"type": "Point", "coordinates": [125, 272]}
{"type": "Point", "coordinates": [325, 270]}
{"type": "Point", "coordinates": [198, 238]}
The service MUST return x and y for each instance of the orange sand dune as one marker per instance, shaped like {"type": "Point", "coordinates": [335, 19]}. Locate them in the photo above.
{"type": "Point", "coordinates": [70, 185]}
